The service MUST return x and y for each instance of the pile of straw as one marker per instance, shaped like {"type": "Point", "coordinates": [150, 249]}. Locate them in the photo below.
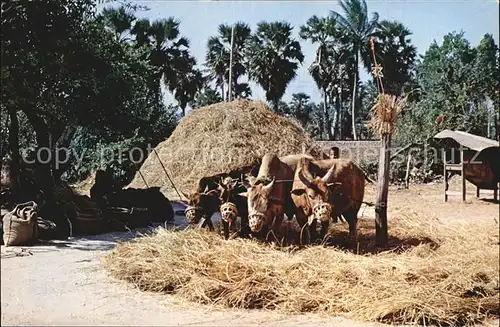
{"type": "Point", "coordinates": [218, 139]}
{"type": "Point", "coordinates": [435, 274]}
{"type": "Point", "coordinates": [385, 113]}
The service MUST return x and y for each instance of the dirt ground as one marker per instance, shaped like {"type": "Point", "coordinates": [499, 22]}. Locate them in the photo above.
{"type": "Point", "coordinates": [62, 283]}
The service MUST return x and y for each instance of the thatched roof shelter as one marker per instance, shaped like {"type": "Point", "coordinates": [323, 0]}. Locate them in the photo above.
{"type": "Point", "coordinates": [471, 141]}
{"type": "Point", "coordinates": [220, 138]}
{"type": "Point", "coordinates": [479, 161]}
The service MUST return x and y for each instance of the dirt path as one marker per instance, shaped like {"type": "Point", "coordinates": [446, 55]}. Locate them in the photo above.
{"type": "Point", "coordinates": [64, 284]}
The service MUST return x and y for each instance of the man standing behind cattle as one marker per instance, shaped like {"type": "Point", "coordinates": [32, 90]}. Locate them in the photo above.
{"type": "Point", "coordinates": [338, 192]}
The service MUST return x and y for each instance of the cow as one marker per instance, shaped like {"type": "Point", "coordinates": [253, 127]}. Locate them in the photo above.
{"type": "Point", "coordinates": [203, 203]}
{"type": "Point", "coordinates": [232, 205]}
{"type": "Point", "coordinates": [206, 199]}
{"type": "Point", "coordinates": [269, 194]}
{"type": "Point", "coordinates": [339, 191]}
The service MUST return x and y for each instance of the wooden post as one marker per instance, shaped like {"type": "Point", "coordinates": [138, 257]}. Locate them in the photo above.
{"type": "Point", "coordinates": [462, 164]}
{"type": "Point", "coordinates": [445, 176]}
{"type": "Point", "coordinates": [382, 192]}
{"type": "Point", "coordinates": [230, 86]}
{"type": "Point", "coordinates": [477, 192]}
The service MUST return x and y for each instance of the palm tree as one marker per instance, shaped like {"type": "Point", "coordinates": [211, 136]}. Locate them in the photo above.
{"type": "Point", "coordinates": [119, 20]}
{"type": "Point", "coordinates": [329, 66]}
{"type": "Point", "coordinates": [273, 57]}
{"type": "Point", "coordinates": [217, 59]}
{"type": "Point", "coordinates": [324, 32]}
{"type": "Point", "coordinates": [189, 81]}
{"type": "Point", "coordinates": [358, 28]}
{"type": "Point", "coordinates": [207, 97]}
{"type": "Point", "coordinates": [395, 53]}
{"type": "Point", "coordinates": [301, 108]}
{"type": "Point", "coordinates": [169, 52]}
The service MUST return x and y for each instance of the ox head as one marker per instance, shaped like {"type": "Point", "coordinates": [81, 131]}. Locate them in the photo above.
{"type": "Point", "coordinates": [318, 191]}
{"type": "Point", "coordinates": [262, 206]}
{"type": "Point", "coordinates": [201, 204]}
{"type": "Point", "coordinates": [228, 191]}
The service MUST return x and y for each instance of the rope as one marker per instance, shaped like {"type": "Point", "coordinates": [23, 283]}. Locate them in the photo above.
{"type": "Point", "coordinates": [302, 233]}
{"type": "Point", "coordinates": [166, 173]}
{"type": "Point", "coordinates": [371, 204]}
{"type": "Point", "coordinates": [142, 176]}
{"type": "Point", "coordinates": [271, 232]}
{"type": "Point", "coordinates": [377, 70]}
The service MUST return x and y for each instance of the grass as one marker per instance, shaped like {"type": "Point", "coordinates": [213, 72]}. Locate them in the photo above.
{"type": "Point", "coordinates": [430, 273]}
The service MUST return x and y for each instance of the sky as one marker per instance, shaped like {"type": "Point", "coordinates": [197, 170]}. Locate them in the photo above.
{"type": "Point", "coordinates": [428, 20]}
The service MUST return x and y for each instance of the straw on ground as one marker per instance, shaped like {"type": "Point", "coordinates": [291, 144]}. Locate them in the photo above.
{"type": "Point", "coordinates": [435, 273]}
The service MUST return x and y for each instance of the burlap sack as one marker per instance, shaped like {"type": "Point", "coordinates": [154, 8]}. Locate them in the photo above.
{"type": "Point", "coordinates": [20, 225]}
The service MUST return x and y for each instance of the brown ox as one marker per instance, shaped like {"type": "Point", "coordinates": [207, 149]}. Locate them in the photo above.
{"type": "Point", "coordinates": [268, 194]}
{"type": "Point", "coordinates": [232, 206]}
{"type": "Point", "coordinates": [209, 195]}
{"type": "Point", "coordinates": [339, 191]}
{"type": "Point", "coordinates": [203, 203]}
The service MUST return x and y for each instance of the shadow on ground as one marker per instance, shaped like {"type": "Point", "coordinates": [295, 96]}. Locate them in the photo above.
{"type": "Point", "coordinates": [366, 244]}
{"type": "Point", "coordinates": [99, 242]}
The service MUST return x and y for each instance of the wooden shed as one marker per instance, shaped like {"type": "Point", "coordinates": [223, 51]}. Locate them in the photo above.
{"type": "Point", "coordinates": [476, 158]}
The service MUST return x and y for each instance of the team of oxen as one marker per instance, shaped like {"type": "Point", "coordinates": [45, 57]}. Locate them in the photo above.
{"type": "Point", "coordinates": [315, 191]}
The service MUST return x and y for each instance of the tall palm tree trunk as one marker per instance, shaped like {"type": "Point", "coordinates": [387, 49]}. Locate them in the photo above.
{"type": "Point", "coordinates": [336, 115]}
{"type": "Point", "coordinates": [354, 94]}
{"type": "Point", "coordinates": [328, 122]}
{"type": "Point", "coordinates": [222, 91]}
{"type": "Point", "coordinates": [341, 111]}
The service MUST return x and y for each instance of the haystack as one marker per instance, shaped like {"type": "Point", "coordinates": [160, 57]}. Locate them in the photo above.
{"type": "Point", "coordinates": [217, 139]}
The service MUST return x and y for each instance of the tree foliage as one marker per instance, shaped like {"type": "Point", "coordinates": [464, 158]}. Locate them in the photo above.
{"type": "Point", "coordinates": [71, 77]}
{"type": "Point", "coordinates": [273, 58]}
{"type": "Point", "coordinates": [358, 28]}
{"type": "Point", "coordinates": [62, 67]}
{"type": "Point", "coordinates": [218, 59]}
{"type": "Point", "coordinates": [447, 76]}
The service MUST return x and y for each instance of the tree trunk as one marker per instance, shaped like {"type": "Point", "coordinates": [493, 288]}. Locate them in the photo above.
{"type": "Point", "coordinates": [41, 129]}
{"type": "Point", "coordinates": [63, 155]}
{"type": "Point", "coordinates": [328, 122]}
{"type": "Point", "coordinates": [341, 116]}
{"type": "Point", "coordinates": [14, 150]}
{"type": "Point", "coordinates": [230, 86]}
{"type": "Point", "coordinates": [45, 159]}
{"type": "Point", "coordinates": [382, 192]}
{"type": "Point", "coordinates": [497, 124]}
{"type": "Point", "coordinates": [223, 86]}
{"type": "Point", "coordinates": [354, 89]}
{"type": "Point", "coordinates": [275, 104]}
{"type": "Point", "coordinates": [336, 115]}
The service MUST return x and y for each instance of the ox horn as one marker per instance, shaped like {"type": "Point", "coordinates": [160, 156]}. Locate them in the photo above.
{"type": "Point", "coordinates": [269, 186]}
{"type": "Point", "coordinates": [205, 191]}
{"type": "Point", "coordinates": [328, 174]}
{"type": "Point", "coordinates": [245, 182]}
{"type": "Point", "coordinates": [304, 173]}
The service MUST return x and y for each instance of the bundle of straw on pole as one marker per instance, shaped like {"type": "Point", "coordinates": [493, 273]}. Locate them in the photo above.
{"type": "Point", "coordinates": [385, 113]}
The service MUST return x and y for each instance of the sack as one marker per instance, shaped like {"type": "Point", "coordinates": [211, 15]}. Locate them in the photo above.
{"type": "Point", "coordinates": [20, 225]}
